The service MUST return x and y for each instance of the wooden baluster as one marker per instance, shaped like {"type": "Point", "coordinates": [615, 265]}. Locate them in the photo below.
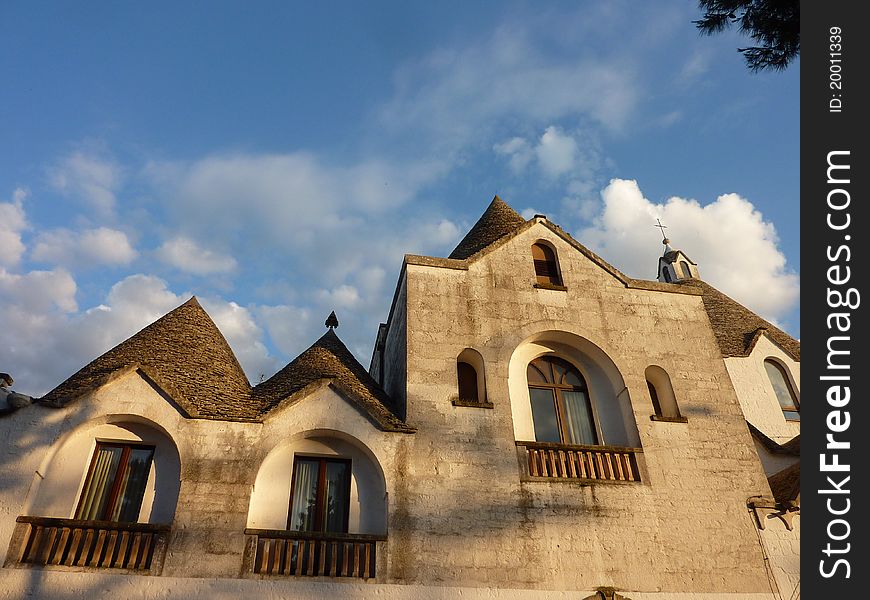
{"type": "Point", "coordinates": [333, 563]}
{"type": "Point", "coordinates": [300, 555]}
{"type": "Point", "coordinates": [600, 464]}
{"type": "Point", "coordinates": [564, 469]}
{"type": "Point", "coordinates": [611, 474]}
{"type": "Point", "coordinates": [345, 563]}
{"type": "Point", "coordinates": [130, 558]}
{"type": "Point", "coordinates": [75, 547]}
{"type": "Point", "coordinates": [321, 567]}
{"type": "Point", "coordinates": [60, 548]}
{"type": "Point", "coordinates": [367, 572]}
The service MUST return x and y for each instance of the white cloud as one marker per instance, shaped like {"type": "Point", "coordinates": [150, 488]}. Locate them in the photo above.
{"type": "Point", "coordinates": [12, 223]}
{"type": "Point", "coordinates": [735, 248]}
{"type": "Point", "coordinates": [556, 152]}
{"type": "Point", "coordinates": [291, 329]}
{"type": "Point", "coordinates": [186, 255]}
{"type": "Point", "coordinates": [90, 178]}
{"type": "Point", "coordinates": [457, 95]}
{"type": "Point", "coordinates": [518, 150]}
{"type": "Point", "coordinates": [38, 291]}
{"type": "Point", "coordinates": [342, 297]}
{"type": "Point", "coordinates": [100, 246]}
{"type": "Point", "coordinates": [46, 339]}
{"type": "Point", "coordinates": [244, 336]}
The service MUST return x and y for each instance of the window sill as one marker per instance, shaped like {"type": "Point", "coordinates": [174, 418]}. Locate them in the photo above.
{"type": "Point", "coordinates": [664, 419]}
{"type": "Point", "coordinates": [472, 403]}
{"type": "Point", "coordinates": [550, 286]}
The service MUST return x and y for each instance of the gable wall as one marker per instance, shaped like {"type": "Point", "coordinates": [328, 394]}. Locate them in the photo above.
{"type": "Point", "coordinates": [473, 520]}
{"type": "Point", "coordinates": [756, 395]}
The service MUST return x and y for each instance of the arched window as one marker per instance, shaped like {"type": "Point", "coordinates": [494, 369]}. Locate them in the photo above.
{"type": "Point", "coordinates": [666, 275]}
{"type": "Point", "coordinates": [782, 388]}
{"type": "Point", "coordinates": [470, 377]}
{"type": "Point", "coordinates": [561, 410]}
{"type": "Point", "coordinates": [684, 266]}
{"type": "Point", "coordinates": [467, 382]}
{"type": "Point", "coordinates": [661, 393]}
{"type": "Point", "coordinates": [546, 266]}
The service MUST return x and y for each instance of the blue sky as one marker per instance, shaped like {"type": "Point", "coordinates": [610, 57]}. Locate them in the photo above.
{"type": "Point", "coordinates": [278, 159]}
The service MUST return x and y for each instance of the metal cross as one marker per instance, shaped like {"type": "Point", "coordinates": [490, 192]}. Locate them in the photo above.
{"type": "Point", "coordinates": [662, 227]}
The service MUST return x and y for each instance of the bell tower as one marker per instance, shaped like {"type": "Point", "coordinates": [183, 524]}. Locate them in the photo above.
{"type": "Point", "coordinates": [674, 265]}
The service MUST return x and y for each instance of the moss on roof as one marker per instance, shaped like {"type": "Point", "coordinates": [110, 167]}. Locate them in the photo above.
{"type": "Point", "coordinates": [498, 220]}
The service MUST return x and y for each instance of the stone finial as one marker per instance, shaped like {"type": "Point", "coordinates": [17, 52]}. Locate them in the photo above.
{"type": "Point", "coordinates": [5, 379]}
{"type": "Point", "coordinates": [331, 321]}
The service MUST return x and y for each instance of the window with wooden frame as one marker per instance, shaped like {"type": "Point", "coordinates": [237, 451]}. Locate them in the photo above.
{"type": "Point", "coordinates": [320, 494]}
{"type": "Point", "coordinates": [546, 265]}
{"type": "Point", "coordinates": [561, 409]}
{"type": "Point", "coordinates": [785, 394]}
{"type": "Point", "coordinates": [115, 483]}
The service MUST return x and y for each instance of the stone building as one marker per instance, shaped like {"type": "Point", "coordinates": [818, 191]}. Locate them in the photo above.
{"type": "Point", "coordinates": [534, 423]}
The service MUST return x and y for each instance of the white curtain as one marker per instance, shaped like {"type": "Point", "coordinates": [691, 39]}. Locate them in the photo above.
{"type": "Point", "coordinates": [579, 417]}
{"type": "Point", "coordinates": [303, 505]}
{"type": "Point", "coordinates": [99, 484]}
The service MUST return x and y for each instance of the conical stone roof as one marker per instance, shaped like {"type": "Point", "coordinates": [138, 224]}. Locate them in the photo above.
{"type": "Point", "coordinates": [185, 354]}
{"type": "Point", "coordinates": [329, 358]}
{"type": "Point", "coordinates": [497, 221]}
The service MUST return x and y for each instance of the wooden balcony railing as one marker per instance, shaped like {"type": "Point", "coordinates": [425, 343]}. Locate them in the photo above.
{"type": "Point", "coordinates": [306, 553]}
{"type": "Point", "coordinates": [561, 461]}
{"type": "Point", "coordinates": [100, 544]}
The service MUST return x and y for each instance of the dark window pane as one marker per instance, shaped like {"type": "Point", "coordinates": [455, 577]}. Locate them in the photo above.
{"type": "Point", "coordinates": [544, 415]}
{"type": "Point", "coordinates": [337, 497]}
{"type": "Point", "coordinates": [467, 382]}
{"type": "Point", "coordinates": [132, 486]}
{"type": "Point", "coordinates": [534, 374]}
{"type": "Point", "coordinates": [655, 398]}
{"type": "Point", "coordinates": [781, 387]}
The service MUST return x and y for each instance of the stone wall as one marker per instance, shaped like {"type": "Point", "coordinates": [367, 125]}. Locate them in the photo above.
{"type": "Point", "coordinates": [467, 516]}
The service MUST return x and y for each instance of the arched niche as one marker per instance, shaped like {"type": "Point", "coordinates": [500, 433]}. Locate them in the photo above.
{"type": "Point", "coordinates": [63, 474]}
{"type": "Point", "coordinates": [661, 391]}
{"type": "Point", "coordinates": [546, 262]}
{"type": "Point", "coordinates": [611, 404]}
{"type": "Point", "coordinates": [270, 498]}
{"type": "Point", "coordinates": [473, 378]}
